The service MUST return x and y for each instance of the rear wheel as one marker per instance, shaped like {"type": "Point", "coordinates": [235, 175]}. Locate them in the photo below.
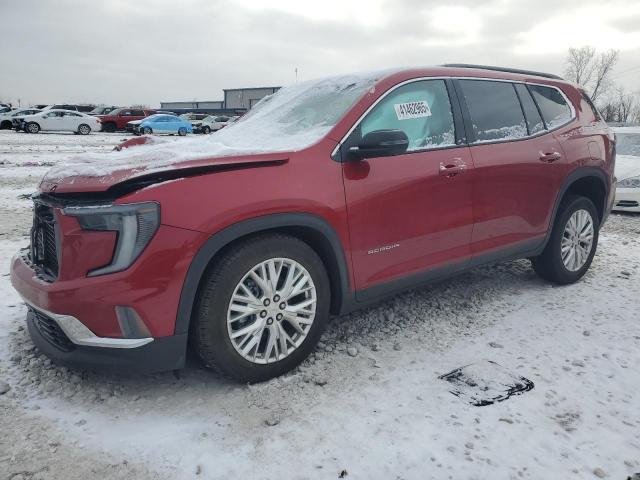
{"type": "Point", "coordinates": [33, 127]}
{"type": "Point", "coordinates": [573, 242]}
{"type": "Point", "coordinates": [84, 129]}
{"type": "Point", "coordinates": [261, 308]}
{"type": "Point", "coordinates": [182, 131]}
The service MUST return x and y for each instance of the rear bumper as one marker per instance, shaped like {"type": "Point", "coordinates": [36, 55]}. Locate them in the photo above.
{"type": "Point", "coordinates": [161, 354]}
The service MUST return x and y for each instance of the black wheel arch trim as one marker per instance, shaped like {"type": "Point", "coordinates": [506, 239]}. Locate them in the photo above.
{"type": "Point", "coordinates": [573, 177]}
{"type": "Point", "coordinates": [224, 237]}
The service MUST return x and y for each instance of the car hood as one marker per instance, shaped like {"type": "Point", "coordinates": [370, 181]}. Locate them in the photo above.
{"type": "Point", "coordinates": [627, 166]}
{"type": "Point", "coordinates": [141, 161]}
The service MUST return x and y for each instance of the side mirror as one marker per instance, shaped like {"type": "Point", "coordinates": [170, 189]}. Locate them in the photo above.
{"type": "Point", "coordinates": [380, 143]}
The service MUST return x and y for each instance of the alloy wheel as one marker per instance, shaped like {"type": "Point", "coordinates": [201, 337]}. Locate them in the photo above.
{"type": "Point", "coordinates": [577, 240]}
{"type": "Point", "coordinates": [271, 310]}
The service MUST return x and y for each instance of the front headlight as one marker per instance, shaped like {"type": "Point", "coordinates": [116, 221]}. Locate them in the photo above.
{"type": "Point", "coordinates": [633, 182]}
{"type": "Point", "coordinates": [135, 224]}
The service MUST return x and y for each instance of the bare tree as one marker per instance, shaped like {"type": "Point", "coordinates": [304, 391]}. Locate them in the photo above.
{"type": "Point", "coordinates": [590, 69]}
{"type": "Point", "coordinates": [580, 64]}
{"type": "Point", "coordinates": [626, 105]}
{"type": "Point", "coordinates": [604, 65]}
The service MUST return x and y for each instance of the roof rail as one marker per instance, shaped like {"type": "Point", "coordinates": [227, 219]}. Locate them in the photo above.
{"type": "Point", "coordinates": [503, 69]}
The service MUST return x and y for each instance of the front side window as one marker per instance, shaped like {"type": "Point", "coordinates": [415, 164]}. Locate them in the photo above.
{"type": "Point", "coordinates": [420, 109]}
{"type": "Point", "coordinates": [553, 105]}
{"type": "Point", "coordinates": [494, 109]}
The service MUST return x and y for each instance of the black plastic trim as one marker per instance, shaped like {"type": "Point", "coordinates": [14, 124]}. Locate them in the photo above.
{"type": "Point", "coordinates": [256, 225]}
{"type": "Point", "coordinates": [164, 353]}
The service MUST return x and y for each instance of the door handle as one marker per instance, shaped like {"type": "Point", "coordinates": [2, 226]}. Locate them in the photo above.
{"type": "Point", "coordinates": [453, 168]}
{"type": "Point", "coordinates": [549, 157]}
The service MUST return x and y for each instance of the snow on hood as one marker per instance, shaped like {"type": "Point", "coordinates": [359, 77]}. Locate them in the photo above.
{"type": "Point", "coordinates": [627, 166]}
{"type": "Point", "coordinates": [292, 119]}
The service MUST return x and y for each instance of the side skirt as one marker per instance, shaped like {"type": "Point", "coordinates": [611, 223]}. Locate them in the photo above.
{"type": "Point", "coordinates": [372, 295]}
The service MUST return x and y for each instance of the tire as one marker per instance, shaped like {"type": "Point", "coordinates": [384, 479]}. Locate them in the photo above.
{"type": "Point", "coordinates": [551, 265]}
{"type": "Point", "coordinates": [147, 131]}
{"type": "Point", "coordinates": [206, 130]}
{"type": "Point", "coordinates": [32, 127]}
{"type": "Point", "coordinates": [6, 125]}
{"type": "Point", "coordinates": [109, 127]}
{"type": "Point", "coordinates": [84, 129]}
{"type": "Point", "coordinates": [182, 131]}
{"type": "Point", "coordinates": [211, 330]}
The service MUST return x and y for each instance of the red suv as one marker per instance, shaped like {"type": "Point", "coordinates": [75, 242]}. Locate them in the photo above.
{"type": "Point", "coordinates": [326, 197]}
{"type": "Point", "coordinates": [118, 118]}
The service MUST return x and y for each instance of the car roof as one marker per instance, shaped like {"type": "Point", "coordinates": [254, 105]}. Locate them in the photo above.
{"type": "Point", "coordinates": [463, 70]}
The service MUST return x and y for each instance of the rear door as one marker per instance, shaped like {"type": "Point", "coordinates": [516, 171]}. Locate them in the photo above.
{"type": "Point", "coordinates": [411, 212]}
{"type": "Point", "coordinates": [518, 164]}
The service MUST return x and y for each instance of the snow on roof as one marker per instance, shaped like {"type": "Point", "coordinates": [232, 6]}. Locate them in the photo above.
{"type": "Point", "coordinates": [291, 119]}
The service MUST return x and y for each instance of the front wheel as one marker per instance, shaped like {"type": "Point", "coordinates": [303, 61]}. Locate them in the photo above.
{"type": "Point", "coordinates": [261, 309]}
{"type": "Point", "coordinates": [33, 127]}
{"type": "Point", "coordinates": [573, 242]}
{"type": "Point", "coordinates": [84, 129]}
{"type": "Point", "coordinates": [206, 130]}
{"type": "Point", "coordinates": [147, 130]}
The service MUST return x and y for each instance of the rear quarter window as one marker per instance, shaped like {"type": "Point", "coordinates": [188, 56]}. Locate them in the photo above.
{"type": "Point", "coordinates": [494, 109]}
{"type": "Point", "coordinates": [553, 105]}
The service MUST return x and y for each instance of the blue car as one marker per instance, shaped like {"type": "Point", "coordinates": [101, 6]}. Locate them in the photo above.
{"type": "Point", "coordinates": [162, 123]}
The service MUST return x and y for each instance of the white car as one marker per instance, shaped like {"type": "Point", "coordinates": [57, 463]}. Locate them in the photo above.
{"type": "Point", "coordinates": [61, 121]}
{"type": "Point", "coordinates": [213, 123]}
{"type": "Point", "coordinates": [627, 169]}
{"type": "Point", "coordinates": [6, 119]}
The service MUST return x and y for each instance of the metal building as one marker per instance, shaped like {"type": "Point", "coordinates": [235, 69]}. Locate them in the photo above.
{"type": "Point", "coordinates": [245, 98]}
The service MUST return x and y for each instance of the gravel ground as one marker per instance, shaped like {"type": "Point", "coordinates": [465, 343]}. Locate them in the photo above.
{"type": "Point", "coordinates": [368, 403]}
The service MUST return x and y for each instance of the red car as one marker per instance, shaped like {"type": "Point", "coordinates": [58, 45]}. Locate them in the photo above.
{"type": "Point", "coordinates": [118, 118]}
{"type": "Point", "coordinates": [326, 197]}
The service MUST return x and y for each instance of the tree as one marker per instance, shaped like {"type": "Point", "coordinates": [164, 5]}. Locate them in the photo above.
{"type": "Point", "coordinates": [586, 67]}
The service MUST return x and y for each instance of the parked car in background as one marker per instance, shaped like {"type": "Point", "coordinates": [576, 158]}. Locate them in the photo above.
{"type": "Point", "coordinates": [627, 169]}
{"type": "Point", "coordinates": [40, 106]}
{"type": "Point", "coordinates": [196, 120]}
{"type": "Point", "coordinates": [118, 119]}
{"type": "Point", "coordinates": [213, 123]}
{"type": "Point", "coordinates": [6, 119]}
{"type": "Point", "coordinates": [5, 109]}
{"type": "Point", "coordinates": [133, 125]}
{"type": "Point", "coordinates": [60, 121]}
{"type": "Point", "coordinates": [66, 106]}
{"type": "Point", "coordinates": [102, 110]}
{"type": "Point", "coordinates": [163, 123]}
{"type": "Point", "coordinates": [331, 196]}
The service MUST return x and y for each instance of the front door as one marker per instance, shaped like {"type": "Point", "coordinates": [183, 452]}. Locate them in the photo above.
{"type": "Point", "coordinates": [411, 212]}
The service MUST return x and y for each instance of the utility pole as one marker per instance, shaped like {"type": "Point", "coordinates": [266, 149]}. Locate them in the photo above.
{"type": "Point", "coordinates": [296, 70]}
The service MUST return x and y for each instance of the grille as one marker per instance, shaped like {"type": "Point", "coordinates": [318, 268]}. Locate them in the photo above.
{"type": "Point", "coordinates": [627, 203]}
{"type": "Point", "coordinates": [43, 252]}
{"type": "Point", "coordinates": [51, 331]}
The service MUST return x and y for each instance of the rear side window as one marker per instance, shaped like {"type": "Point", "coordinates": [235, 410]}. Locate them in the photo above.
{"type": "Point", "coordinates": [137, 113]}
{"type": "Point", "coordinates": [494, 109]}
{"type": "Point", "coordinates": [531, 113]}
{"type": "Point", "coordinates": [553, 105]}
{"type": "Point", "coordinates": [420, 109]}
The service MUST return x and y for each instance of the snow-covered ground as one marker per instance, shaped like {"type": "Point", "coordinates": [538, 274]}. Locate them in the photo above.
{"type": "Point", "coordinates": [368, 404]}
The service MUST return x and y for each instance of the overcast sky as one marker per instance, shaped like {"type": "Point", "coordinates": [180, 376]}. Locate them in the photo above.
{"type": "Point", "coordinates": [146, 51]}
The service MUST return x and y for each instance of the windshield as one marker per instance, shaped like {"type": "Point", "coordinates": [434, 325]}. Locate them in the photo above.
{"type": "Point", "coordinates": [116, 111]}
{"type": "Point", "coordinates": [628, 144]}
{"type": "Point", "coordinates": [291, 119]}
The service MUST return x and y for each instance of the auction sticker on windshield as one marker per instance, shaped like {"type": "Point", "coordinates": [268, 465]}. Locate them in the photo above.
{"type": "Point", "coordinates": [409, 110]}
